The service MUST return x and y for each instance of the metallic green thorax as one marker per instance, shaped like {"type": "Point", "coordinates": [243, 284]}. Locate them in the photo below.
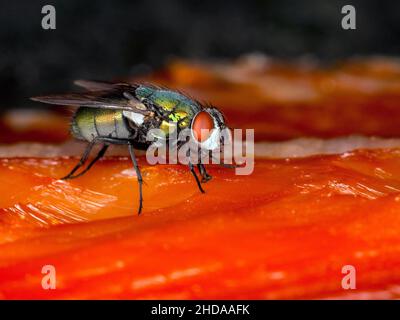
{"type": "Point", "coordinates": [89, 123]}
{"type": "Point", "coordinates": [182, 109]}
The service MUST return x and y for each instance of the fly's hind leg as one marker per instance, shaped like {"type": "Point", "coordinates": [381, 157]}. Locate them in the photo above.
{"type": "Point", "coordinates": [138, 174]}
{"type": "Point", "coordinates": [98, 157]}
{"type": "Point", "coordinates": [81, 161]}
{"type": "Point", "coordinates": [203, 172]}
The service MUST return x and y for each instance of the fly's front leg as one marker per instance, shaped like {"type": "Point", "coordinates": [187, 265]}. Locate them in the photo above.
{"type": "Point", "coordinates": [138, 174]}
{"type": "Point", "coordinates": [203, 172]}
{"type": "Point", "coordinates": [191, 168]}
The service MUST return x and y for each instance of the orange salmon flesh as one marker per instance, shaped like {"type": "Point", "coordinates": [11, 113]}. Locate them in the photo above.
{"type": "Point", "coordinates": [285, 231]}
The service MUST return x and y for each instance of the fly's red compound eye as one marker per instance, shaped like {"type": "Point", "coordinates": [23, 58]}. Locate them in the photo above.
{"type": "Point", "coordinates": [202, 125]}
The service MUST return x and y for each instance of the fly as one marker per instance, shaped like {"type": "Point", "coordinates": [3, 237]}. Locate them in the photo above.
{"type": "Point", "coordinates": [122, 113]}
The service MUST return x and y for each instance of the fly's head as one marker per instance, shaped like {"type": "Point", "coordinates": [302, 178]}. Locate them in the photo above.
{"type": "Point", "coordinates": [209, 130]}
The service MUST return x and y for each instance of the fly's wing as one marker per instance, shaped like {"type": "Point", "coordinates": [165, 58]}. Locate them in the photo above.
{"type": "Point", "coordinates": [117, 97]}
{"type": "Point", "coordinates": [91, 85]}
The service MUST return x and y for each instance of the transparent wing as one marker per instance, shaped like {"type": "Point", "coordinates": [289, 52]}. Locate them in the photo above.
{"type": "Point", "coordinates": [117, 97]}
{"type": "Point", "coordinates": [91, 85]}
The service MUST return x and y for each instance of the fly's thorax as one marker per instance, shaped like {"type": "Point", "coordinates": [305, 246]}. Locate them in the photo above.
{"type": "Point", "coordinates": [88, 123]}
{"type": "Point", "coordinates": [178, 108]}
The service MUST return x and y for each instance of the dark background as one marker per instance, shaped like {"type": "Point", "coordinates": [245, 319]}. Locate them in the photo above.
{"type": "Point", "coordinates": [105, 39]}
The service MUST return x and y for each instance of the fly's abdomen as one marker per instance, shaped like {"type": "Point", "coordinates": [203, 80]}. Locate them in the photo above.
{"type": "Point", "coordinates": [89, 123]}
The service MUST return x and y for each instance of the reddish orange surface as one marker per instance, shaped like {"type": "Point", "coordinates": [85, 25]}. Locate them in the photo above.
{"type": "Point", "coordinates": [283, 232]}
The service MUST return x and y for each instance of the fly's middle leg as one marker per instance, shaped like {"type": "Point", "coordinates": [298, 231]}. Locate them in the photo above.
{"type": "Point", "coordinates": [138, 174]}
